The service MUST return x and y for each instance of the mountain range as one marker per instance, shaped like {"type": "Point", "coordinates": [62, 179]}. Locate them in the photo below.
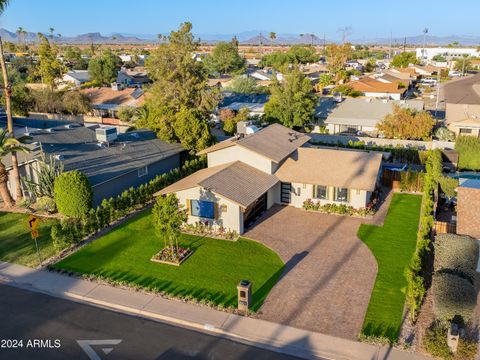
{"type": "Point", "coordinates": [253, 37]}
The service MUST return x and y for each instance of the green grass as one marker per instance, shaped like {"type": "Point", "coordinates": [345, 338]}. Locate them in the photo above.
{"type": "Point", "coordinates": [16, 244]}
{"type": "Point", "coordinates": [212, 272]}
{"type": "Point", "coordinates": [393, 245]}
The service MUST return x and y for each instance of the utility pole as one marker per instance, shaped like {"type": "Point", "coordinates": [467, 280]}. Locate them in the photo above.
{"type": "Point", "coordinates": [425, 32]}
{"type": "Point", "coordinates": [390, 49]}
{"type": "Point", "coordinates": [404, 43]}
{"type": "Point", "coordinates": [324, 44]}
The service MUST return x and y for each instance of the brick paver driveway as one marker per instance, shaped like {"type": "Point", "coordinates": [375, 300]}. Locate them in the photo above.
{"type": "Point", "coordinates": [329, 272]}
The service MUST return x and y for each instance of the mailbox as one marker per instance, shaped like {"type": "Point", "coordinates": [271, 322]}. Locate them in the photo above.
{"type": "Point", "coordinates": [244, 295]}
{"type": "Point", "coordinates": [453, 337]}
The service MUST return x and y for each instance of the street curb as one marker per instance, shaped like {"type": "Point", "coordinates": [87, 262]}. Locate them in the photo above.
{"type": "Point", "coordinates": [274, 346]}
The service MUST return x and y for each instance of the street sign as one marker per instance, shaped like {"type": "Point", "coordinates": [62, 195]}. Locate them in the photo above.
{"type": "Point", "coordinates": [34, 234]}
{"type": "Point", "coordinates": [33, 222]}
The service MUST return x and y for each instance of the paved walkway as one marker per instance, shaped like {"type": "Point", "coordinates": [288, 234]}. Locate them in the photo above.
{"type": "Point", "coordinates": [264, 334]}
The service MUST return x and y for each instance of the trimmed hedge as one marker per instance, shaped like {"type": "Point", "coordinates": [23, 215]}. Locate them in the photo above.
{"type": "Point", "coordinates": [452, 296]}
{"type": "Point", "coordinates": [457, 255]}
{"type": "Point", "coordinates": [73, 194]}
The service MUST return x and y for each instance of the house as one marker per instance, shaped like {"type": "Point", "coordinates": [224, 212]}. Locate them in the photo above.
{"type": "Point", "coordinates": [371, 87]}
{"type": "Point", "coordinates": [359, 115]}
{"type": "Point", "coordinates": [75, 78]}
{"type": "Point", "coordinates": [132, 78]}
{"type": "Point", "coordinates": [235, 101]}
{"type": "Point", "coordinates": [468, 208]}
{"type": "Point", "coordinates": [106, 101]}
{"type": "Point", "coordinates": [112, 162]}
{"type": "Point", "coordinates": [247, 175]}
{"type": "Point", "coordinates": [462, 109]}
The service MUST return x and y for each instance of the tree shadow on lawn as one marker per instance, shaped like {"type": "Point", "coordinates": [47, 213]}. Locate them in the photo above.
{"type": "Point", "coordinates": [381, 330]}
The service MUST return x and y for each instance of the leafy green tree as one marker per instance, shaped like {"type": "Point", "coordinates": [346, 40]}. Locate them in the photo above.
{"type": "Point", "coordinates": [303, 54]}
{"type": "Point", "coordinates": [337, 55]}
{"type": "Point", "coordinates": [72, 58]}
{"type": "Point", "coordinates": [73, 194]}
{"type": "Point", "coordinates": [22, 100]}
{"type": "Point", "coordinates": [180, 83]}
{"type": "Point", "coordinates": [404, 59]}
{"type": "Point", "coordinates": [167, 218]}
{"type": "Point", "coordinates": [126, 113]}
{"type": "Point", "coordinates": [49, 68]}
{"type": "Point", "coordinates": [347, 90]}
{"type": "Point", "coordinates": [192, 129]}
{"type": "Point", "coordinates": [463, 64]}
{"type": "Point", "coordinates": [224, 59]}
{"type": "Point", "coordinates": [230, 122]}
{"type": "Point", "coordinates": [243, 84]}
{"type": "Point", "coordinates": [8, 145]}
{"type": "Point", "coordinates": [103, 69]}
{"type": "Point", "coordinates": [439, 58]}
{"type": "Point", "coordinates": [292, 102]}
{"type": "Point", "coordinates": [405, 123]}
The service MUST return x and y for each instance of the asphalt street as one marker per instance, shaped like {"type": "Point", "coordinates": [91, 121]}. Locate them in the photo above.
{"type": "Point", "coordinates": [37, 326]}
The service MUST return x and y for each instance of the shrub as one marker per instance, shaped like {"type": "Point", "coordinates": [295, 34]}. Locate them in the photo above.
{"type": "Point", "coordinates": [448, 185]}
{"type": "Point", "coordinates": [456, 254]}
{"type": "Point", "coordinates": [46, 203]}
{"type": "Point", "coordinates": [444, 134]}
{"type": "Point", "coordinates": [73, 194]}
{"type": "Point", "coordinates": [66, 233]}
{"type": "Point", "coordinates": [435, 341]}
{"type": "Point", "coordinates": [468, 148]}
{"type": "Point", "coordinates": [452, 295]}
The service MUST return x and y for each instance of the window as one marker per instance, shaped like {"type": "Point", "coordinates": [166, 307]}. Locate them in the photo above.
{"type": "Point", "coordinates": [320, 192]}
{"type": "Point", "coordinates": [341, 194]}
{"type": "Point", "coordinates": [201, 208]}
{"type": "Point", "coordinates": [142, 171]}
{"type": "Point", "coordinates": [465, 131]}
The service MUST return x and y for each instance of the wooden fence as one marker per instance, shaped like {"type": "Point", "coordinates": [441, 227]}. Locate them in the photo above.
{"type": "Point", "coordinates": [442, 227]}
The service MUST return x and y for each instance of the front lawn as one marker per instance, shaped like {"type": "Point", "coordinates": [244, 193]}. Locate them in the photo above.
{"type": "Point", "coordinates": [212, 272]}
{"type": "Point", "coordinates": [393, 245]}
{"type": "Point", "coordinates": [16, 244]}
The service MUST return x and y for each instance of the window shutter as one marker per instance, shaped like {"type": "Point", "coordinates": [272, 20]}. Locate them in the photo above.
{"type": "Point", "coordinates": [189, 207]}
{"type": "Point", "coordinates": [215, 210]}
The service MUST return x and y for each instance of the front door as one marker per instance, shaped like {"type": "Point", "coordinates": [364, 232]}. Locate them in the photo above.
{"type": "Point", "coordinates": [285, 192]}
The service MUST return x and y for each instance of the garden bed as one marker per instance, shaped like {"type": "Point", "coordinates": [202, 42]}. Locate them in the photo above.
{"type": "Point", "coordinates": [165, 256]}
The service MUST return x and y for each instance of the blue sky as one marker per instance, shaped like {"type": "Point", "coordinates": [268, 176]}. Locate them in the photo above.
{"type": "Point", "coordinates": [368, 19]}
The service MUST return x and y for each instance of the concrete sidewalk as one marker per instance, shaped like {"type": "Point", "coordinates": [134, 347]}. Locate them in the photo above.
{"type": "Point", "coordinates": [260, 333]}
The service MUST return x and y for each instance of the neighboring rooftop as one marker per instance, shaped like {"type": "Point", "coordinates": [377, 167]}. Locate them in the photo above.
{"type": "Point", "coordinates": [79, 150]}
{"type": "Point", "coordinates": [230, 98]}
{"type": "Point", "coordinates": [367, 111]}
{"type": "Point", "coordinates": [370, 85]}
{"type": "Point", "coordinates": [236, 181]}
{"type": "Point", "coordinates": [323, 166]}
{"type": "Point", "coordinates": [79, 75]}
{"type": "Point", "coordinates": [106, 98]}
{"type": "Point", "coordinates": [463, 91]}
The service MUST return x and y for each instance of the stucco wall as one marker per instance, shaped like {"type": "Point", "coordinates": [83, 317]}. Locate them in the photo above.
{"type": "Point", "coordinates": [302, 192]}
{"type": "Point", "coordinates": [117, 185]}
{"type": "Point", "coordinates": [229, 214]}
{"type": "Point", "coordinates": [234, 153]}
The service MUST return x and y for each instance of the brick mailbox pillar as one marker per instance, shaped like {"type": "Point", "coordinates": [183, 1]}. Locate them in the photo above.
{"type": "Point", "coordinates": [244, 295]}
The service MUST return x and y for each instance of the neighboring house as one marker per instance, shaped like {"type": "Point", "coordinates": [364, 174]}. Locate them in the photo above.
{"type": "Point", "coordinates": [132, 78]}
{"type": "Point", "coordinates": [129, 159]}
{"type": "Point", "coordinates": [468, 208]}
{"type": "Point", "coordinates": [375, 88]}
{"type": "Point", "coordinates": [106, 101]}
{"type": "Point", "coordinates": [462, 109]}
{"type": "Point", "coordinates": [135, 58]}
{"type": "Point", "coordinates": [75, 78]}
{"type": "Point", "coordinates": [355, 115]}
{"type": "Point", "coordinates": [254, 102]}
{"type": "Point", "coordinates": [247, 175]}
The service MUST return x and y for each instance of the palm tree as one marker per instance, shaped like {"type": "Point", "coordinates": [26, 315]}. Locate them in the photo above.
{"type": "Point", "coordinates": [19, 34]}
{"type": "Point", "coordinates": [7, 90]}
{"type": "Point", "coordinates": [301, 37]}
{"type": "Point", "coordinates": [8, 145]}
{"type": "Point", "coordinates": [272, 36]}
{"type": "Point", "coordinates": [59, 37]}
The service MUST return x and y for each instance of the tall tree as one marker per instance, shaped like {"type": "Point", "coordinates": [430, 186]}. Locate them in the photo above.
{"type": "Point", "coordinates": [8, 145]}
{"type": "Point", "coordinates": [337, 55]}
{"type": "Point", "coordinates": [103, 68]}
{"type": "Point", "coordinates": [225, 59]}
{"type": "Point", "coordinates": [51, 30]}
{"type": "Point", "coordinates": [292, 102]}
{"type": "Point", "coordinates": [272, 36]}
{"type": "Point", "coordinates": [49, 68]}
{"type": "Point", "coordinates": [404, 59]}
{"type": "Point", "coordinates": [179, 83]}
{"type": "Point", "coordinates": [404, 123]}
{"type": "Point", "coordinates": [7, 91]}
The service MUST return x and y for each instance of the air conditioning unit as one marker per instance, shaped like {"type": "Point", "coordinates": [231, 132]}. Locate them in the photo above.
{"type": "Point", "coordinates": [106, 134]}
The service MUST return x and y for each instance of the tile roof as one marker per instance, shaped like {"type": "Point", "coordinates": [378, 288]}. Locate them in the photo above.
{"type": "Point", "coordinates": [236, 181]}
{"type": "Point", "coordinates": [368, 84]}
{"type": "Point", "coordinates": [334, 167]}
{"type": "Point", "coordinates": [275, 142]}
